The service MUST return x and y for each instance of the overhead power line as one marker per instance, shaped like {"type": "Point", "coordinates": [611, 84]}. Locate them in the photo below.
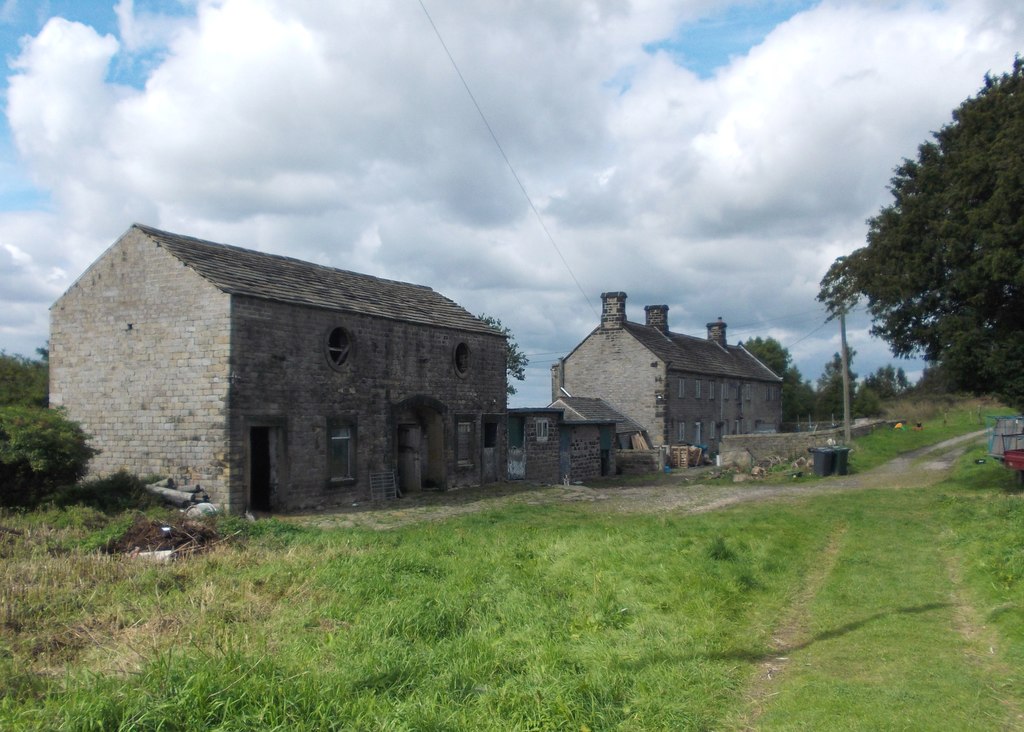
{"type": "Point", "coordinates": [504, 157]}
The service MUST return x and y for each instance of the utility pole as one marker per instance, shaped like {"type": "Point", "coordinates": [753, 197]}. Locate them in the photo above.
{"type": "Point", "coordinates": [846, 379]}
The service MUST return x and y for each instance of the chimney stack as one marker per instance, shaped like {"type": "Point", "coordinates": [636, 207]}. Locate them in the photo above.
{"type": "Point", "coordinates": [716, 332]}
{"type": "Point", "coordinates": [613, 310]}
{"type": "Point", "coordinates": [657, 317]}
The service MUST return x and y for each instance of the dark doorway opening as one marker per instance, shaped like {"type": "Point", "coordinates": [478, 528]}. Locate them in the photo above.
{"type": "Point", "coordinates": [261, 468]}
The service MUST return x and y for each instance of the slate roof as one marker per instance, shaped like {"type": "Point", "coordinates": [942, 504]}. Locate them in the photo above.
{"type": "Point", "coordinates": [700, 355]}
{"type": "Point", "coordinates": [593, 409]}
{"type": "Point", "coordinates": [238, 271]}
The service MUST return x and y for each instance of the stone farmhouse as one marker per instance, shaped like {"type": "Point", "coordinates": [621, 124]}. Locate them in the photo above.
{"type": "Point", "coordinates": [681, 389]}
{"type": "Point", "coordinates": [273, 383]}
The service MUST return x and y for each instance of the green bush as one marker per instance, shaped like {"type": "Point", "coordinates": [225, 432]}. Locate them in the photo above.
{"type": "Point", "coordinates": [40, 450]}
{"type": "Point", "coordinates": [121, 491]}
{"type": "Point", "coordinates": [24, 382]}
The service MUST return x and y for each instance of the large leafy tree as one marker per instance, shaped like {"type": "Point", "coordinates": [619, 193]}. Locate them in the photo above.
{"type": "Point", "coordinates": [943, 269]}
{"type": "Point", "coordinates": [797, 394]}
{"type": "Point", "coordinates": [515, 360]}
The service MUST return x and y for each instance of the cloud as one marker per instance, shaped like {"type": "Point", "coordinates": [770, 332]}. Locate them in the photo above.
{"type": "Point", "coordinates": [341, 133]}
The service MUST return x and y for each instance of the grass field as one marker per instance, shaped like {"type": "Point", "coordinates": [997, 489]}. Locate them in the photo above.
{"type": "Point", "coordinates": [868, 610]}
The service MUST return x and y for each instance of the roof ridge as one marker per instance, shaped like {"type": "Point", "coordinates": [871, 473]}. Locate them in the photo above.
{"type": "Point", "coordinates": [164, 235]}
{"type": "Point", "coordinates": [236, 270]}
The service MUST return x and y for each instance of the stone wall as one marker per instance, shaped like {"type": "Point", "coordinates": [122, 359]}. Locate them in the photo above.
{"type": "Point", "coordinates": [722, 404]}
{"type": "Point", "coordinates": [744, 450]}
{"type": "Point", "coordinates": [637, 462]}
{"type": "Point", "coordinates": [139, 349]}
{"type": "Point", "coordinates": [542, 455]}
{"type": "Point", "coordinates": [282, 372]}
{"type": "Point", "coordinates": [610, 363]}
{"type": "Point", "coordinates": [585, 452]}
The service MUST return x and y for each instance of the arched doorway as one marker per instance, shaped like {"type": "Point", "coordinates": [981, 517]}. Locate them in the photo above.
{"type": "Point", "coordinates": [419, 443]}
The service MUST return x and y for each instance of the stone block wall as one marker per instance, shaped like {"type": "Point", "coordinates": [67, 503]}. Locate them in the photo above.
{"type": "Point", "coordinates": [637, 462]}
{"type": "Point", "coordinates": [585, 452]}
{"type": "Point", "coordinates": [282, 372]}
{"type": "Point", "coordinates": [721, 411]}
{"type": "Point", "coordinates": [611, 364]}
{"type": "Point", "coordinates": [139, 351]}
{"type": "Point", "coordinates": [742, 450]}
{"type": "Point", "coordinates": [542, 455]}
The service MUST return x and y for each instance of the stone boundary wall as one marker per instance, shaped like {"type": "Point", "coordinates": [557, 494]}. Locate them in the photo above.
{"type": "Point", "coordinates": [637, 462]}
{"type": "Point", "coordinates": [743, 451]}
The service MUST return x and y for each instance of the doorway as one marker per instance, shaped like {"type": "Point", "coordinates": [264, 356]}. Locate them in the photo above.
{"type": "Point", "coordinates": [419, 441]}
{"type": "Point", "coordinates": [489, 472]}
{"type": "Point", "coordinates": [264, 467]}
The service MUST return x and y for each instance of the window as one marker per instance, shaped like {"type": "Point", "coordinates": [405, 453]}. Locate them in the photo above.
{"type": "Point", "coordinates": [711, 390]}
{"type": "Point", "coordinates": [696, 388]}
{"type": "Point", "coordinates": [341, 452]}
{"type": "Point", "coordinates": [682, 388]}
{"type": "Point", "coordinates": [460, 359]}
{"type": "Point", "coordinates": [711, 430]}
{"type": "Point", "coordinates": [696, 433]}
{"type": "Point", "coordinates": [338, 347]}
{"type": "Point", "coordinates": [465, 442]}
{"type": "Point", "coordinates": [681, 432]}
{"type": "Point", "coordinates": [543, 427]}
{"type": "Point", "coordinates": [738, 427]}
{"type": "Point", "coordinates": [746, 392]}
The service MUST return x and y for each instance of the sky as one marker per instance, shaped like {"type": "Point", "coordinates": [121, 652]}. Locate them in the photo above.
{"type": "Point", "coordinates": [519, 157]}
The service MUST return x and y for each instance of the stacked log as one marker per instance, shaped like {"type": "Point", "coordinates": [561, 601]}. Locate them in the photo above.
{"type": "Point", "coordinates": [182, 497]}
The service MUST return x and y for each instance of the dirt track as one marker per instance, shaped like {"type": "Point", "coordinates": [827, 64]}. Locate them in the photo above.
{"type": "Point", "coordinates": [914, 469]}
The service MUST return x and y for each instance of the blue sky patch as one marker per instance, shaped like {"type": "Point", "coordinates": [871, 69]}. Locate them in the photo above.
{"type": "Point", "coordinates": [707, 44]}
{"type": "Point", "coordinates": [27, 19]}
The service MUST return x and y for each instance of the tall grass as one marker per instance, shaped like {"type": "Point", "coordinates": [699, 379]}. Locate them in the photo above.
{"type": "Point", "coordinates": [938, 422]}
{"type": "Point", "coordinates": [526, 619]}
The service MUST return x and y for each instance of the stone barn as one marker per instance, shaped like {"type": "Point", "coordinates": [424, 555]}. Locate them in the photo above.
{"type": "Point", "coordinates": [273, 383]}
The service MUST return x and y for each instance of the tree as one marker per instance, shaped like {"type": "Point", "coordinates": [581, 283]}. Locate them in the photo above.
{"type": "Point", "coordinates": [887, 382]}
{"type": "Point", "coordinates": [23, 381]}
{"type": "Point", "coordinates": [943, 271]}
{"type": "Point", "coordinates": [830, 387]}
{"type": "Point", "coordinates": [797, 394]}
{"type": "Point", "coordinates": [515, 360]}
{"type": "Point", "coordinates": [933, 381]}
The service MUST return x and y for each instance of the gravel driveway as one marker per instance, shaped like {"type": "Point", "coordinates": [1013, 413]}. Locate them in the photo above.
{"type": "Point", "coordinates": [914, 469]}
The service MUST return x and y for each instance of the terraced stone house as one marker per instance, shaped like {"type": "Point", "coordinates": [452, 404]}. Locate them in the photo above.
{"type": "Point", "coordinates": [681, 389]}
{"type": "Point", "coordinates": [273, 383]}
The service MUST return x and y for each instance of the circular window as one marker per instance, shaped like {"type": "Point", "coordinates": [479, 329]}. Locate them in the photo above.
{"type": "Point", "coordinates": [338, 347]}
{"type": "Point", "coordinates": [461, 359]}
